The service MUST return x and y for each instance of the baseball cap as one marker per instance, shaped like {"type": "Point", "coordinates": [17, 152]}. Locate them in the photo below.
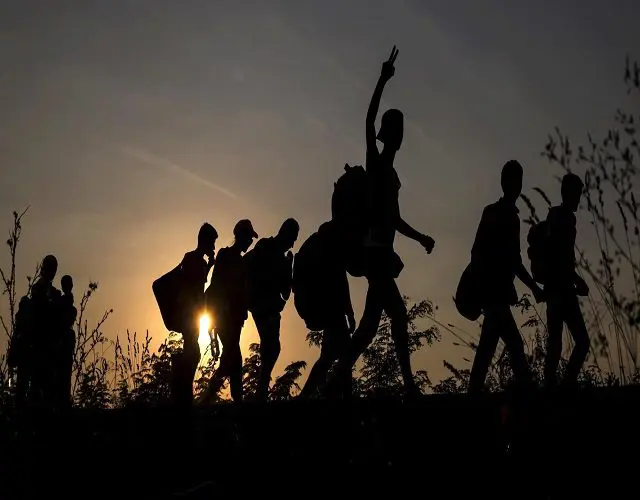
{"type": "Point", "coordinates": [244, 226]}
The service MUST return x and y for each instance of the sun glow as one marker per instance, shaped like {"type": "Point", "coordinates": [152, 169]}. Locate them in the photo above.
{"type": "Point", "coordinates": [205, 328]}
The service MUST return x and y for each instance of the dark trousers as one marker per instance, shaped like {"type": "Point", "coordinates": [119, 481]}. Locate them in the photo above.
{"type": "Point", "coordinates": [335, 341]}
{"type": "Point", "coordinates": [184, 366]}
{"type": "Point", "coordinates": [498, 324]}
{"type": "Point", "coordinates": [42, 391]}
{"type": "Point", "coordinates": [64, 370]}
{"type": "Point", "coordinates": [382, 295]}
{"type": "Point", "coordinates": [268, 326]}
{"type": "Point", "coordinates": [564, 308]}
{"type": "Point", "coordinates": [229, 331]}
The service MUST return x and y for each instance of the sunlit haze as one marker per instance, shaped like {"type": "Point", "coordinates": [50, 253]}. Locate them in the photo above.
{"type": "Point", "coordinates": [126, 125]}
{"type": "Point", "coordinates": [205, 328]}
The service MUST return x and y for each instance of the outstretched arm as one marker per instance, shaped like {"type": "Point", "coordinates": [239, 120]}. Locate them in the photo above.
{"type": "Point", "coordinates": [372, 113]}
{"type": "Point", "coordinates": [405, 229]}
{"type": "Point", "coordinates": [385, 75]}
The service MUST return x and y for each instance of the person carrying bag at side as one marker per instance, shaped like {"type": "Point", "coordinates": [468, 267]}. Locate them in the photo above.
{"type": "Point", "coordinates": [181, 300]}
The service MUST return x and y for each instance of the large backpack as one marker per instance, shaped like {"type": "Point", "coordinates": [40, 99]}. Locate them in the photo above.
{"type": "Point", "coordinates": [268, 271]}
{"type": "Point", "coordinates": [537, 239]}
{"type": "Point", "coordinates": [307, 283]}
{"type": "Point", "coordinates": [350, 211]}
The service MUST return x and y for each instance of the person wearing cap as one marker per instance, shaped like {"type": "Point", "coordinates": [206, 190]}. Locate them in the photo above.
{"type": "Point", "coordinates": [270, 266]}
{"type": "Point", "coordinates": [195, 270]}
{"type": "Point", "coordinates": [227, 297]}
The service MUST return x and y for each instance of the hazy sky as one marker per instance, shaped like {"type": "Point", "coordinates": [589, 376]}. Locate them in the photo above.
{"type": "Point", "coordinates": [126, 124]}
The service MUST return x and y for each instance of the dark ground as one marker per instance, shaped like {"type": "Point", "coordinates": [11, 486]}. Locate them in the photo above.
{"type": "Point", "coordinates": [568, 446]}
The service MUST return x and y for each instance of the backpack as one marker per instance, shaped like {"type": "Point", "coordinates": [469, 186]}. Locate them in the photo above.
{"type": "Point", "coordinates": [537, 239]}
{"type": "Point", "coordinates": [307, 283]}
{"type": "Point", "coordinates": [267, 272]}
{"type": "Point", "coordinates": [350, 210]}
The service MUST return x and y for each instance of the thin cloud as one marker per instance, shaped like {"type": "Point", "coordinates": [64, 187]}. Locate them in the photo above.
{"type": "Point", "coordinates": [159, 162]}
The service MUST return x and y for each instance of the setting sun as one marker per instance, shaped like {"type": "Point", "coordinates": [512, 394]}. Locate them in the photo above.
{"type": "Point", "coordinates": [205, 327]}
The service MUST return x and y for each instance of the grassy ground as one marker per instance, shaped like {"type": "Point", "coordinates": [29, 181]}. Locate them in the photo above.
{"type": "Point", "coordinates": [437, 447]}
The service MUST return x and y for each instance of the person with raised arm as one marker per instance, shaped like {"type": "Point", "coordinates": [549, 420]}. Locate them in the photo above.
{"type": "Point", "coordinates": [381, 263]}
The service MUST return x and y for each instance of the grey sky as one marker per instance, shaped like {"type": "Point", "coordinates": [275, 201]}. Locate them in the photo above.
{"type": "Point", "coordinates": [126, 124]}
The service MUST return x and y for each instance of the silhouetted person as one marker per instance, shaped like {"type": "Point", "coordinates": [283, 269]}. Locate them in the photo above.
{"type": "Point", "coordinates": [270, 272]}
{"type": "Point", "coordinates": [496, 260]}
{"type": "Point", "coordinates": [20, 356]}
{"type": "Point", "coordinates": [382, 264]}
{"type": "Point", "coordinates": [67, 342]}
{"type": "Point", "coordinates": [563, 285]}
{"type": "Point", "coordinates": [44, 298]}
{"type": "Point", "coordinates": [194, 269]}
{"type": "Point", "coordinates": [322, 299]}
{"type": "Point", "coordinates": [227, 296]}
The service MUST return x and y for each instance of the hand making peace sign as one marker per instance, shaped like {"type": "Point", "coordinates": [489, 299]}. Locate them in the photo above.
{"type": "Point", "coordinates": [388, 69]}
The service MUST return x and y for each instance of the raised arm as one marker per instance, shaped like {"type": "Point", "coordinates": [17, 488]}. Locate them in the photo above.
{"type": "Point", "coordinates": [385, 75]}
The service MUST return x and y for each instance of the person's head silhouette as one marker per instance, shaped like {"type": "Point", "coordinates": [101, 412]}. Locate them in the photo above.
{"type": "Point", "coordinates": [511, 180]}
{"type": "Point", "coordinates": [391, 129]}
{"type": "Point", "coordinates": [244, 234]}
{"type": "Point", "coordinates": [571, 191]}
{"type": "Point", "coordinates": [66, 283]}
{"type": "Point", "coordinates": [49, 268]}
{"type": "Point", "coordinates": [288, 233]}
{"type": "Point", "coordinates": [207, 236]}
